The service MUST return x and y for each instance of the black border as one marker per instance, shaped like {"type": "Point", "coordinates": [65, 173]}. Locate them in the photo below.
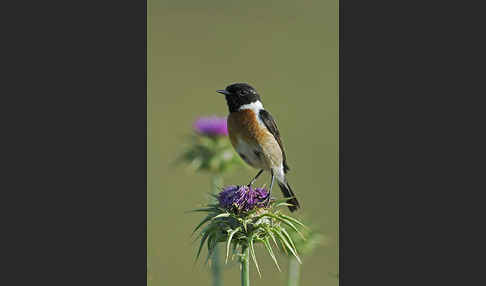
{"type": "Point", "coordinates": [76, 159]}
{"type": "Point", "coordinates": [409, 143]}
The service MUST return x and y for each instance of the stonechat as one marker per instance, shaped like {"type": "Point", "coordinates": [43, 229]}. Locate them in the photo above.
{"type": "Point", "coordinates": [256, 138]}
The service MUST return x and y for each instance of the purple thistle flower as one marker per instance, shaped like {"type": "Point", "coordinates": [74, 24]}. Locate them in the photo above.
{"type": "Point", "coordinates": [243, 198]}
{"type": "Point", "coordinates": [211, 126]}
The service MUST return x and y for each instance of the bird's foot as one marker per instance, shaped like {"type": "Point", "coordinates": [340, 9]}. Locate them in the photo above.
{"type": "Point", "coordinates": [268, 199]}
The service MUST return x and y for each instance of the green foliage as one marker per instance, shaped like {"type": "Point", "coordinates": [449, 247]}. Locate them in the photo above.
{"type": "Point", "coordinates": [209, 153]}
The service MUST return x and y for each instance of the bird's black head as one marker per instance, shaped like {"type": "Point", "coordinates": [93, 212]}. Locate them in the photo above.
{"type": "Point", "coordinates": [239, 94]}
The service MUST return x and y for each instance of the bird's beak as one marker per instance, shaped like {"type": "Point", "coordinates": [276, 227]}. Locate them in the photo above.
{"type": "Point", "coordinates": [223, 91]}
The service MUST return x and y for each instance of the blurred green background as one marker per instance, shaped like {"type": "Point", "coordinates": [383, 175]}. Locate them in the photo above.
{"type": "Point", "coordinates": [288, 50]}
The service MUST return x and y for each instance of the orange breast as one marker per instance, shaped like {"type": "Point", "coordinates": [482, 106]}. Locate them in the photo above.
{"type": "Point", "coordinates": [244, 124]}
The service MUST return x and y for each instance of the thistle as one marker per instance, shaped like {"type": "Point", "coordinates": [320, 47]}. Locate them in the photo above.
{"type": "Point", "coordinates": [209, 148]}
{"type": "Point", "coordinates": [211, 126]}
{"type": "Point", "coordinates": [243, 217]}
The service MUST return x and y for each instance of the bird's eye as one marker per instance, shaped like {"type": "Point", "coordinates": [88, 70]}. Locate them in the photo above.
{"type": "Point", "coordinates": [243, 92]}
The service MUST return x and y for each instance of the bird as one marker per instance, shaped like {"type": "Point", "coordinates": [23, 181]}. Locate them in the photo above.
{"type": "Point", "coordinates": [254, 135]}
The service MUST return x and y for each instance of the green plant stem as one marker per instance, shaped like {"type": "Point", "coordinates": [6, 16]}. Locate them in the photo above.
{"type": "Point", "coordinates": [216, 267]}
{"type": "Point", "coordinates": [294, 272]}
{"type": "Point", "coordinates": [245, 266]}
{"type": "Point", "coordinates": [216, 183]}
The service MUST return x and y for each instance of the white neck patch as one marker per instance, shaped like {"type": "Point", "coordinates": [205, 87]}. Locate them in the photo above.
{"type": "Point", "coordinates": [254, 106]}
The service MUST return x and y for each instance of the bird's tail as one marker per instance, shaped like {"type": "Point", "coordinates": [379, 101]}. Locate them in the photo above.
{"type": "Point", "coordinates": [288, 193]}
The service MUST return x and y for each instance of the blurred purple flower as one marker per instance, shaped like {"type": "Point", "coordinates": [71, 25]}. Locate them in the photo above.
{"type": "Point", "coordinates": [243, 198]}
{"type": "Point", "coordinates": [211, 126]}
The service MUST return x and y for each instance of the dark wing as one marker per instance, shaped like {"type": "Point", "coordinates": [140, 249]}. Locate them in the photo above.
{"type": "Point", "coordinates": [272, 127]}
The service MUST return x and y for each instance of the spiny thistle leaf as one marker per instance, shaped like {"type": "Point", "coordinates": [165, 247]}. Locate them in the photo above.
{"type": "Point", "coordinates": [294, 220]}
{"type": "Point", "coordinates": [221, 215]}
{"type": "Point", "coordinates": [270, 232]}
{"type": "Point", "coordinates": [287, 222]}
{"type": "Point", "coordinates": [266, 242]}
{"type": "Point", "coordinates": [289, 239]}
{"type": "Point", "coordinates": [252, 251]}
{"type": "Point", "coordinates": [275, 203]}
{"type": "Point", "coordinates": [288, 245]}
{"type": "Point", "coordinates": [205, 220]}
{"type": "Point", "coordinates": [211, 245]}
{"type": "Point", "coordinates": [230, 236]}
{"type": "Point", "coordinates": [281, 218]}
{"type": "Point", "coordinates": [283, 204]}
{"type": "Point", "coordinates": [203, 239]}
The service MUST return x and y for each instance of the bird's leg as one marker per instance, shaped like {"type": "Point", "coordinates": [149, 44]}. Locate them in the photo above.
{"type": "Point", "coordinates": [256, 177]}
{"type": "Point", "coordinates": [270, 190]}
{"type": "Point", "coordinates": [271, 183]}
